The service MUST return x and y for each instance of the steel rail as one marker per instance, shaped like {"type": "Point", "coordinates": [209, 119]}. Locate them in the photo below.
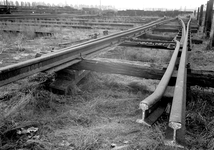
{"type": "Point", "coordinates": [42, 16]}
{"type": "Point", "coordinates": [177, 114]}
{"type": "Point", "coordinates": [70, 55]}
{"type": "Point", "coordinates": [71, 22]}
{"type": "Point", "coordinates": [183, 33]}
{"type": "Point", "coordinates": [118, 33]}
{"type": "Point", "coordinates": [156, 96]}
{"type": "Point", "coordinates": [114, 34]}
{"type": "Point", "coordinates": [74, 25]}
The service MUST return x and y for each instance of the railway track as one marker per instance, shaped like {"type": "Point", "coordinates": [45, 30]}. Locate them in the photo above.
{"type": "Point", "coordinates": [69, 21]}
{"type": "Point", "coordinates": [89, 25]}
{"type": "Point", "coordinates": [79, 17]}
{"type": "Point", "coordinates": [68, 56]}
{"type": "Point", "coordinates": [21, 16]}
{"type": "Point", "coordinates": [154, 105]}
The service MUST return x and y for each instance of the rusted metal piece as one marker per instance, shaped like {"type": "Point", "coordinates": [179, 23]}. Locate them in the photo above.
{"type": "Point", "coordinates": [148, 104]}
{"type": "Point", "coordinates": [177, 114]}
{"type": "Point", "coordinates": [70, 55]}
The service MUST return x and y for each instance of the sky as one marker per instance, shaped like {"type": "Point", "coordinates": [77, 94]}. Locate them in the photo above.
{"type": "Point", "coordinates": [133, 4]}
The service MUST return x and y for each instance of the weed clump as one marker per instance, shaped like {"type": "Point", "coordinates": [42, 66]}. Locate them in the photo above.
{"type": "Point", "coordinates": [105, 112]}
{"type": "Point", "coordinates": [199, 118]}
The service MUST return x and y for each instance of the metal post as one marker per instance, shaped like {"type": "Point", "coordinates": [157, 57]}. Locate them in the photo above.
{"type": "Point", "coordinates": [206, 14]}
{"type": "Point", "coordinates": [201, 15]}
{"type": "Point", "coordinates": [198, 13]}
{"type": "Point", "coordinates": [209, 18]}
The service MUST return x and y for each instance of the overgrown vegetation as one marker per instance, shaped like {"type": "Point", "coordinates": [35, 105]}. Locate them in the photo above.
{"type": "Point", "coordinates": [103, 113]}
{"type": "Point", "coordinates": [200, 118]}
{"type": "Point", "coordinates": [154, 57]}
{"type": "Point", "coordinates": [200, 102]}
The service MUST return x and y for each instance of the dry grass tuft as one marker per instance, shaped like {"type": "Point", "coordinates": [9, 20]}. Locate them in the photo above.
{"type": "Point", "coordinates": [155, 57]}
{"type": "Point", "coordinates": [103, 113]}
{"type": "Point", "coordinates": [199, 119]}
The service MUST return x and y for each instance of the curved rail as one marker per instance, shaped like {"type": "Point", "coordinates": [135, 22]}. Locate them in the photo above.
{"type": "Point", "coordinates": [177, 115]}
{"type": "Point", "coordinates": [118, 33]}
{"type": "Point", "coordinates": [156, 96]}
{"type": "Point", "coordinates": [183, 32]}
{"type": "Point", "coordinates": [69, 55]}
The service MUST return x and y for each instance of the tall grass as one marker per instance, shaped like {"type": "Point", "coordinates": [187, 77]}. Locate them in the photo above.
{"type": "Point", "coordinates": [199, 119]}
{"type": "Point", "coordinates": [14, 40]}
{"type": "Point", "coordinates": [148, 55]}
{"type": "Point", "coordinates": [103, 113]}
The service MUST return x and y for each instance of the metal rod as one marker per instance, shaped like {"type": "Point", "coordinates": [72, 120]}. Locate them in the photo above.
{"type": "Point", "coordinates": [159, 91]}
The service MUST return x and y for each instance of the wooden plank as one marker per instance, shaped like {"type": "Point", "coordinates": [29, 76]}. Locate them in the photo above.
{"type": "Point", "coordinates": [165, 30]}
{"type": "Point", "coordinates": [116, 67]}
{"type": "Point", "coordinates": [159, 45]}
{"type": "Point", "coordinates": [195, 77]}
{"type": "Point", "coordinates": [196, 41]}
{"type": "Point", "coordinates": [157, 37]}
{"type": "Point", "coordinates": [170, 26]}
